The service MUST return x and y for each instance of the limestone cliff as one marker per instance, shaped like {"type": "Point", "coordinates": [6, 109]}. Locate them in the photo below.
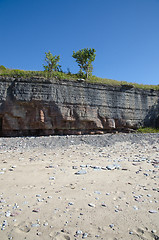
{"type": "Point", "coordinates": [37, 106]}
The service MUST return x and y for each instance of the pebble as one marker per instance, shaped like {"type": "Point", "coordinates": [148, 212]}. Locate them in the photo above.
{"type": "Point", "coordinates": [3, 169]}
{"type": "Point", "coordinates": [111, 167]}
{"type": "Point", "coordinates": [39, 200]}
{"type": "Point", "coordinates": [81, 172]}
{"type": "Point", "coordinates": [79, 232]}
{"type": "Point", "coordinates": [83, 166]}
{"type": "Point", "coordinates": [148, 195]}
{"type": "Point", "coordinates": [103, 168]}
{"type": "Point", "coordinates": [146, 174]}
{"type": "Point", "coordinates": [152, 211]}
{"type": "Point", "coordinates": [117, 166]}
{"type": "Point", "coordinates": [46, 224]}
{"type": "Point", "coordinates": [5, 223]}
{"type": "Point", "coordinates": [97, 168]}
{"type": "Point", "coordinates": [39, 233]}
{"type": "Point", "coordinates": [50, 166]}
{"type": "Point", "coordinates": [8, 214]}
{"type": "Point", "coordinates": [35, 225]}
{"type": "Point", "coordinates": [97, 192]}
{"type": "Point", "coordinates": [135, 208]}
{"type": "Point", "coordinates": [10, 238]}
{"type": "Point", "coordinates": [49, 197]}
{"type": "Point", "coordinates": [103, 205]}
{"type": "Point", "coordinates": [36, 210]}
{"type": "Point", "coordinates": [91, 205]}
{"type": "Point", "coordinates": [15, 206]}
{"type": "Point", "coordinates": [85, 235]}
{"type": "Point", "coordinates": [51, 178]}
{"type": "Point", "coordinates": [74, 167]}
{"type": "Point", "coordinates": [111, 225]}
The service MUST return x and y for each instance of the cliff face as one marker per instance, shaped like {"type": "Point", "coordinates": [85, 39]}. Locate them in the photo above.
{"type": "Point", "coordinates": [34, 106]}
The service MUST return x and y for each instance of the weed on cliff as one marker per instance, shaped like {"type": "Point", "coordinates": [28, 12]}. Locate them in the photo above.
{"type": "Point", "coordinates": [148, 130]}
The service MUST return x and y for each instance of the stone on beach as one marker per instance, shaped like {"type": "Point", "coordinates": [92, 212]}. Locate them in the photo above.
{"type": "Point", "coordinates": [81, 172]}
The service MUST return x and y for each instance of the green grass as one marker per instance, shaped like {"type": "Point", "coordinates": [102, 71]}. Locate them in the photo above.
{"type": "Point", "coordinates": [33, 74]}
{"type": "Point", "coordinates": [16, 73]}
{"type": "Point", "coordinates": [95, 79]}
{"type": "Point", "coordinates": [148, 130]}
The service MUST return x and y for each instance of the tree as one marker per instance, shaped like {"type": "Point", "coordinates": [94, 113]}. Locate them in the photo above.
{"type": "Point", "coordinates": [52, 62]}
{"type": "Point", "coordinates": [84, 58]}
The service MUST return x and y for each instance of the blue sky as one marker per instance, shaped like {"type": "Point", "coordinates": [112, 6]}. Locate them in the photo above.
{"type": "Point", "coordinates": [124, 33]}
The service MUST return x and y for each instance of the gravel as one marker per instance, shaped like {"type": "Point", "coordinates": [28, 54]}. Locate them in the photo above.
{"type": "Point", "coordinates": [49, 142]}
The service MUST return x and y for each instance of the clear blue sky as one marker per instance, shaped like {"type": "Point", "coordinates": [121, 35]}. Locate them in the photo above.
{"type": "Point", "coordinates": [124, 33]}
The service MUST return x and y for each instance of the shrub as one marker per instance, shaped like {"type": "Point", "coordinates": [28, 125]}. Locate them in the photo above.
{"type": "Point", "coordinates": [2, 68]}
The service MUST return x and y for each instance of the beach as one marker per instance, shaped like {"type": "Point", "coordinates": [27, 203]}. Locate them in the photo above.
{"type": "Point", "coordinates": [80, 187]}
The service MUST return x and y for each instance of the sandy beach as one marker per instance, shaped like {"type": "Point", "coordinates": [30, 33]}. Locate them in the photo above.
{"type": "Point", "coordinates": [80, 187]}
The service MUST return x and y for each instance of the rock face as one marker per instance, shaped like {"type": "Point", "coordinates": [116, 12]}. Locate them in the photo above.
{"type": "Point", "coordinates": [37, 106]}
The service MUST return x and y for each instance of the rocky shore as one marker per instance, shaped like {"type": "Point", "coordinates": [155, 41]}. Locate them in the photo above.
{"type": "Point", "coordinates": [80, 187]}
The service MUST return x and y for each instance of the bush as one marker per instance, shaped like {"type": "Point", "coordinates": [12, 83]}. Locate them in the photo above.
{"type": "Point", "coordinates": [2, 68]}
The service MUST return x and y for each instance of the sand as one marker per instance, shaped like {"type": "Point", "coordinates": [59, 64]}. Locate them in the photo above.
{"type": "Point", "coordinates": [80, 187]}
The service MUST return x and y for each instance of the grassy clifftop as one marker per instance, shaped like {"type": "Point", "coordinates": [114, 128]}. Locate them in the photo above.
{"type": "Point", "coordinates": [69, 76]}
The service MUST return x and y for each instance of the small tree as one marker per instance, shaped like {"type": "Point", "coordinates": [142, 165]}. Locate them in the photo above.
{"type": "Point", "coordinates": [52, 62]}
{"type": "Point", "coordinates": [84, 58]}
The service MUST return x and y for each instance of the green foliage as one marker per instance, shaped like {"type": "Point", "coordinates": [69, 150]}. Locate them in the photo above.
{"type": "Point", "coordinates": [2, 68]}
{"type": "Point", "coordinates": [81, 74]}
{"type": "Point", "coordinates": [148, 130]}
{"type": "Point", "coordinates": [84, 58]}
{"type": "Point", "coordinates": [52, 62]}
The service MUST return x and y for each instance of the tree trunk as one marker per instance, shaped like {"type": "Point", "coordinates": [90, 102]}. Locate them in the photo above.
{"type": "Point", "coordinates": [87, 73]}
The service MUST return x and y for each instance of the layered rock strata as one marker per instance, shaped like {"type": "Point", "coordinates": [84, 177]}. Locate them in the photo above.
{"type": "Point", "coordinates": [38, 106]}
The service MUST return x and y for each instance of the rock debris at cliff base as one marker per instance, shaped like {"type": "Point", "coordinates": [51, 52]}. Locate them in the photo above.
{"type": "Point", "coordinates": [80, 187]}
